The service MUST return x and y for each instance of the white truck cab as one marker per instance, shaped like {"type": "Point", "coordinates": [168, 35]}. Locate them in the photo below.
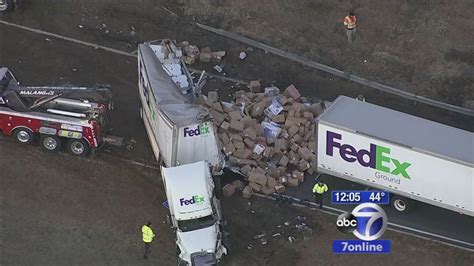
{"type": "Point", "coordinates": [195, 213]}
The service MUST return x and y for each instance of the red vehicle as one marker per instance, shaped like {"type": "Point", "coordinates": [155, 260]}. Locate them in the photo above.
{"type": "Point", "coordinates": [71, 116]}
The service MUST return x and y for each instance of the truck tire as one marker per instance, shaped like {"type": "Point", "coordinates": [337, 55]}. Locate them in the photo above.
{"type": "Point", "coordinates": [23, 135]}
{"type": "Point", "coordinates": [402, 204]}
{"type": "Point", "coordinates": [50, 142]}
{"type": "Point", "coordinates": [217, 187]}
{"type": "Point", "coordinates": [78, 147]}
{"type": "Point", "coordinates": [6, 5]}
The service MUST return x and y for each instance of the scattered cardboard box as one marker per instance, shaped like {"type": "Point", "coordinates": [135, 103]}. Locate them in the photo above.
{"type": "Point", "coordinates": [228, 190]}
{"type": "Point", "coordinates": [247, 192]}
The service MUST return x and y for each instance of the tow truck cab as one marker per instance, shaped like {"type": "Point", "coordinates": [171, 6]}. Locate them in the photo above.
{"type": "Point", "coordinates": [195, 213]}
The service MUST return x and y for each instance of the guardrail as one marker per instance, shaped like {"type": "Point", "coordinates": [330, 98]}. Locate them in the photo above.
{"type": "Point", "coordinates": [337, 72]}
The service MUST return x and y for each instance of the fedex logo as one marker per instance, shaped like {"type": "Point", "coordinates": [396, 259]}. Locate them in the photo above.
{"type": "Point", "coordinates": [200, 129]}
{"type": "Point", "coordinates": [193, 200]}
{"type": "Point", "coordinates": [376, 157]}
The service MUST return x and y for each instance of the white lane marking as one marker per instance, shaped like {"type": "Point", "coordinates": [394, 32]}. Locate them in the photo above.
{"type": "Point", "coordinates": [391, 224]}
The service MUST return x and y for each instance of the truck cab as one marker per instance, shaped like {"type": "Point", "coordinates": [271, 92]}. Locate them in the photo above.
{"type": "Point", "coordinates": [195, 213]}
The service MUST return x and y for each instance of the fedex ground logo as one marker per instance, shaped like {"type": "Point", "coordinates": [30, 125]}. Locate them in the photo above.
{"type": "Point", "coordinates": [192, 200]}
{"type": "Point", "coordinates": [201, 129]}
{"type": "Point", "coordinates": [376, 157]}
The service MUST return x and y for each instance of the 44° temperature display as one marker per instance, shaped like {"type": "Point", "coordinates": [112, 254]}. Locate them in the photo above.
{"type": "Point", "coordinates": [358, 197]}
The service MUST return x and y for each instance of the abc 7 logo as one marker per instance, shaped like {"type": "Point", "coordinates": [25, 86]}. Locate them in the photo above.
{"type": "Point", "coordinates": [367, 222]}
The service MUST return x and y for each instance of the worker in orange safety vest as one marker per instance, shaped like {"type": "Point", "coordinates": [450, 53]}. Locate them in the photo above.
{"type": "Point", "coordinates": [350, 26]}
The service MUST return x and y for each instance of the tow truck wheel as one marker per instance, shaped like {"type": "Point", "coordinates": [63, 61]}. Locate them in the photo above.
{"type": "Point", "coordinates": [23, 135]}
{"type": "Point", "coordinates": [50, 142]}
{"type": "Point", "coordinates": [78, 147]}
{"type": "Point", "coordinates": [6, 5]}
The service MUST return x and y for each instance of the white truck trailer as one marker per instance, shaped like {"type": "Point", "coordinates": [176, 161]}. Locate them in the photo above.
{"type": "Point", "coordinates": [195, 213]}
{"type": "Point", "coordinates": [180, 132]}
{"type": "Point", "coordinates": [183, 139]}
{"type": "Point", "coordinates": [412, 158]}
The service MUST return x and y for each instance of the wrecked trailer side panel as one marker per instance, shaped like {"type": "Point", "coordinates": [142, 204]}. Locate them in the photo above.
{"type": "Point", "coordinates": [180, 131]}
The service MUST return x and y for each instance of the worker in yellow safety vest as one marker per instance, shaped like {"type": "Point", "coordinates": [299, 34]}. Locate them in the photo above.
{"type": "Point", "coordinates": [148, 236]}
{"type": "Point", "coordinates": [350, 26]}
{"type": "Point", "coordinates": [318, 191]}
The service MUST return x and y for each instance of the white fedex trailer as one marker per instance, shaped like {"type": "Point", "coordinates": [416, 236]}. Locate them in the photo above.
{"type": "Point", "coordinates": [411, 157]}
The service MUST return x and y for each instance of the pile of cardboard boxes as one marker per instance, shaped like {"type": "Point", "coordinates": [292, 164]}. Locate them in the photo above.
{"type": "Point", "coordinates": [191, 53]}
{"type": "Point", "coordinates": [271, 136]}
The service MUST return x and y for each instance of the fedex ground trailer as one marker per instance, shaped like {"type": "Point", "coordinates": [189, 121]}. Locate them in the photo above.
{"type": "Point", "coordinates": [180, 132]}
{"type": "Point", "coordinates": [413, 158]}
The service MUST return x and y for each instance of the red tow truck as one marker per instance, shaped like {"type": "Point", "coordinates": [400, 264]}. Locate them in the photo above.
{"type": "Point", "coordinates": [72, 116]}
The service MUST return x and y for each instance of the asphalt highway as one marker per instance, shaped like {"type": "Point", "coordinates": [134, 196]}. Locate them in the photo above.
{"type": "Point", "coordinates": [425, 220]}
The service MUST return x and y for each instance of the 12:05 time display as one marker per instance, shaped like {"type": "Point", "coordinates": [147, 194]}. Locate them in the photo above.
{"type": "Point", "coordinates": [357, 197]}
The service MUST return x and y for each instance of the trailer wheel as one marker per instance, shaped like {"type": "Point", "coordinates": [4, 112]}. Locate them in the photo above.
{"type": "Point", "coordinates": [6, 5]}
{"type": "Point", "coordinates": [50, 142]}
{"type": "Point", "coordinates": [23, 135]}
{"type": "Point", "coordinates": [78, 147]}
{"type": "Point", "coordinates": [402, 204]}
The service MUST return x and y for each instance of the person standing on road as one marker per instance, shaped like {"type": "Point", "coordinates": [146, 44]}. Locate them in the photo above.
{"type": "Point", "coordinates": [148, 236]}
{"type": "Point", "coordinates": [318, 191]}
{"type": "Point", "coordinates": [350, 26]}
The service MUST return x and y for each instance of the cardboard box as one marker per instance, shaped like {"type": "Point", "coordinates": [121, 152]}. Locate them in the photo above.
{"type": "Point", "coordinates": [242, 162]}
{"type": "Point", "coordinates": [218, 117]}
{"type": "Point", "coordinates": [255, 86]}
{"type": "Point", "coordinates": [292, 182]}
{"type": "Point", "coordinates": [305, 153]}
{"type": "Point", "coordinates": [298, 107]}
{"type": "Point", "coordinates": [258, 178]}
{"type": "Point", "coordinates": [225, 125]}
{"type": "Point", "coordinates": [281, 145]}
{"type": "Point", "coordinates": [283, 100]}
{"type": "Point", "coordinates": [236, 125]}
{"type": "Point", "coordinates": [250, 144]}
{"type": "Point", "coordinates": [224, 138]}
{"type": "Point", "coordinates": [250, 133]}
{"type": "Point", "coordinates": [242, 153]}
{"type": "Point", "coordinates": [257, 109]}
{"type": "Point", "coordinates": [229, 149]}
{"type": "Point", "coordinates": [238, 144]}
{"type": "Point", "coordinates": [205, 57]}
{"type": "Point", "coordinates": [246, 170]}
{"type": "Point", "coordinates": [235, 137]}
{"type": "Point", "coordinates": [284, 161]}
{"type": "Point", "coordinates": [255, 187]}
{"type": "Point", "coordinates": [312, 146]}
{"type": "Point", "coordinates": [308, 115]}
{"type": "Point", "coordinates": [271, 182]}
{"type": "Point", "coordinates": [293, 130]}
{"type": "Point", "coordinates": [279, 118]}
{"type": "Point", "coordinates": [267, 190]}
{"type": "Point", "coordinates": [239, 185]}
{"type": "Point", "coordinates": [298, 175]}
{"type": "Point", "coordinates": [292, 92]}
{"type": "Point", "coordinates": [297, 138]}
{"type": "Point", "coordinates": [316, 109]}
{"type": "Point", "coordinates": [280, 188]}
{"type": "Point", "coordinates": [235, 115]}
{"type": "Point", "coordinates": [217, 56]}
{"type": "Point", "coordinates": [303, 165]}
{"type": "Point", "coordinates": [218, 107]}
{"type": "Point", "coordinates": [247, 192]}
{"type": "Point", "coordinates": [228, 190]}
{"type": "Point", "coordinates": [268, 152]}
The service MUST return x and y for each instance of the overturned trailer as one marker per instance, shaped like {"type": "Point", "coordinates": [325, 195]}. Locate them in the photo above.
{"type": "Point", "coordinates": [180, 131]}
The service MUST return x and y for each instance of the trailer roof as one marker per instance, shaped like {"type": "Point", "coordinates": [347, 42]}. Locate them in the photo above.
{"type": "Point", "coordinates": [400, 128]}
{"type": "Point", "coordinates": [168, 96]}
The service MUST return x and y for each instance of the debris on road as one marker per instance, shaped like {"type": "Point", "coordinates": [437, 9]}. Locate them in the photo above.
{"type": "Point", "coordinates": [270, 136]}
